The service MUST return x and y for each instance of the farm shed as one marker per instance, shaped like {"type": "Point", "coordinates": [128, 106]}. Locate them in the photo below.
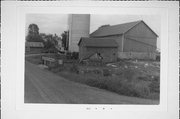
{"type": "Point", "coordinates": [135, 39]}
{"type": "Point", "coordinates": [34, 46]}
{"type": "Point", "coordinates": [103, 48]}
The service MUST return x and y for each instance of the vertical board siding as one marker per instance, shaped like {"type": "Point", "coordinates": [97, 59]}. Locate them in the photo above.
{"type": "Point", "coordinates": [144, 34]}
{"type": "Point", "coordinates": [140, 39]}
{"type": "Point", "coordinates": [118, 39]}
{"type": "Point", "coordinates": [108, 54]}
{"type": "Point", "coordinates": [134, 46]}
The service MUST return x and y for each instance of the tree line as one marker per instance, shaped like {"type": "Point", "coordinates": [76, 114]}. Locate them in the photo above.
{"type": "Point", "coordinates": [50, 41]}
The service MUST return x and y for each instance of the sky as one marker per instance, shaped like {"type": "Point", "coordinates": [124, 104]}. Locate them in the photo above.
{"type": "Point", "coordinates": [57, 23]}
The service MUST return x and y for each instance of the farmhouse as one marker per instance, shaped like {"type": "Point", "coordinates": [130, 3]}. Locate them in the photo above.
{"type": "Point", "coordinates": [104, 49]}
{"type": "Point", "coordinates": [34, 46]}
{"type": "Point", "coordinates": [134, 39]}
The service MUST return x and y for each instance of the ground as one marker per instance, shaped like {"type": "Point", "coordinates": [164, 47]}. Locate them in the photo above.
{"type": "Point", "coordinates": [43, 86]}
{"type": "Point", "coordinates": [135, 78]}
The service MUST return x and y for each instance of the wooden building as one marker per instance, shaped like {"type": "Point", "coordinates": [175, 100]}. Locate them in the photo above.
{"type": "Point", "coordinates": [134, 39]}
{"type": "Point", "coordinates": [34, 47]}
{"type": "Point", "coordinates": [93, 48]}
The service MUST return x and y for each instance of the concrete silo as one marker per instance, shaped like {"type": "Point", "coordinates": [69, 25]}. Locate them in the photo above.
{"type": "Point", "coordinates": [79, 26]}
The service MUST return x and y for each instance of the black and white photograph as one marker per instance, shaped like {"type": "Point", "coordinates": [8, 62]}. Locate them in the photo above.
{"type": "Point", "coordinates": [89, 59]}
{"type": "Point", "coordinates": [92, 59]}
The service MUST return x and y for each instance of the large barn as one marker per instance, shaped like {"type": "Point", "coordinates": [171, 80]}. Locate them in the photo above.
{"type": "Point", "coordinates": [134, 39]}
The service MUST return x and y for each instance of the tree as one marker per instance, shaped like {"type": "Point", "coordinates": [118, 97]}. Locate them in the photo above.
{"type": "Point", "coordinates": [65, 39]}
{"type": "Point", "coordinates": [33, 34]}
{"type": "Point", "coordinates": [33, 29]}
{"type": "Point", "coordinates": [50, 44]}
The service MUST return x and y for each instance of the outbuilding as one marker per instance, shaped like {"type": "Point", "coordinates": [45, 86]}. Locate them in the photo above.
{"type": "Point", "coordinates": [105, 49]}
{"type": "Point", "coordinates": [134, 39]}
{"type": "Point", "coordinates": [34, 47]}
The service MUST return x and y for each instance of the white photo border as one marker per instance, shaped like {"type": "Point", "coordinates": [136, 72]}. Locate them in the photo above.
{"type": "Point", "coordinates": [121, 8]}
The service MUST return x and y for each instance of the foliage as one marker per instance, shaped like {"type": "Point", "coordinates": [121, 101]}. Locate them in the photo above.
{"type": "Point", "coordinates": [33, 29]}
{"type": "Point", "coordinates": [155, 85]}
{"type": "Point", "coordinates": [50, 43]}
{"type": "Point", "coordinates": [75, 55]}
{"type": "Point", "coordinates": [106, 72]}
{"type": "Point", "coordinates": [34, 38]}
{"type": "Point", "coordinates": [33, 34]}
{"type": "Point", "coordinates": [65, 39]}
{"type": "Point", "coordinates": [74, 69]}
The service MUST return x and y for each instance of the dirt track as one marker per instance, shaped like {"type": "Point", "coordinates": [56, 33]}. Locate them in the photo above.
{"type": "Point", "coordinates": [42, 86]}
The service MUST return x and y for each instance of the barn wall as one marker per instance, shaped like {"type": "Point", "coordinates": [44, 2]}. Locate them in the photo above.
{"type": "Point", "coordinates": [141, 30]}
{"type": "Point", "coordinates": [118, 39]}
{"type": "Point", "coordinates": [137, 55]}
{"type": "Point", "coordinates": [108, 54]}
{"type": "Point", "coordinates": [143, 34]}
{"type": "Point", "coordinates": [131, 45]}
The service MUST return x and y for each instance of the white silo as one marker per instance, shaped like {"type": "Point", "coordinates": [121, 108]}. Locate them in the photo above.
{"type": "Point", "coordinates": [79, 26]}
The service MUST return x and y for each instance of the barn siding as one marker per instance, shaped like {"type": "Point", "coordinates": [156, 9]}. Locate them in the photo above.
{"type": "Point", "coordinates": [108, 54]}
{"type": "Point", "coordinates": [134, 46]}
{"type": "Point", "coordinates": [141, 30]}
{"type": "Point", "coordinates": [118, 39]}
{"type": "Point", "coordinates": [140, 39]}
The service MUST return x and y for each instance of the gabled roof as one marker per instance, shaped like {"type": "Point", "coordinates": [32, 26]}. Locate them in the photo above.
{"type": "Point", "coordinates": [35, 44]}
{"type": "Point", "coordinates": [108, 30]}
{"type": "Point", "coordinates": [98, 42]}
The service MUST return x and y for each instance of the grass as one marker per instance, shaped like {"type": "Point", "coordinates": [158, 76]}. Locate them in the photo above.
{"type": "Point", "coordinates": [121, 85]}
{"type": "Point", "coordinates": [34, 59]}
{"type": "Point", "coordinates": [127, 81]}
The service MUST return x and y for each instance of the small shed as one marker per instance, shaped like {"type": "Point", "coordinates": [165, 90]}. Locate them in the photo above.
{"type": "Point", "coordinates": [104, 49]}
{"type": "Point", "coordinates": [34, 46]}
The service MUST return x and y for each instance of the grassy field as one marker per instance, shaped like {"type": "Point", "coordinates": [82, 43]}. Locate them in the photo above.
{"type": "Point", "coordinates": [125, 77]}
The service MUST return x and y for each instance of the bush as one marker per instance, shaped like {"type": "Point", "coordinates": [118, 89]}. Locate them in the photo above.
{"type": "Point", "coordinates": [129, 74]}
{"type": "Point", "coordinates": [75, 55]}
{"type": "Point", "coordinates": [106, 72]}
{"type": "Point", "coordinates": [155, 85]}
{"type": "Point", "coordinates": [141, 90]}
{"type": "Point", "coordinates": [74, 69]}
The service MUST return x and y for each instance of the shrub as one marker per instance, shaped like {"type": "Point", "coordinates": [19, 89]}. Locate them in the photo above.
{"type": "Point", "coordinates": [155, 85]}
{"type": "Point", "coordinates": [106, 72]}
{"type": "Point", "coordinates": [141, 90]}
{"type": "Point", "coordinates": [75, 55]}
{"type": "Point", "coordinates": [129, 74]}
{"type": "Point", "coordinates": [74, 69]}
{"type": "Point", "coordinates": [96, 71]}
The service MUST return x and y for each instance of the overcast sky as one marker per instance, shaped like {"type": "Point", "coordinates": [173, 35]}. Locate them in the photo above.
{"type": "Point", "coordinates": [57, 23]}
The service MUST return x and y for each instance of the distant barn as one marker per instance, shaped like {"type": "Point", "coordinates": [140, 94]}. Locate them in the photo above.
{"type": "Point", "coordinates": [34, 47]}
{"type": "Point", "coordinates": [134, 39]}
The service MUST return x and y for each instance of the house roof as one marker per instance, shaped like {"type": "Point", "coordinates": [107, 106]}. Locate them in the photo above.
{"type": "Point", "coordinates": [98, 42]}
{"type": "Point", "coordinates": [108, 30]}
{"type": "Point", "coordinates": [35, 44]}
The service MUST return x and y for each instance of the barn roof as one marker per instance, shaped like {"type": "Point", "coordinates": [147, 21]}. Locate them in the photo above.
{"type": "Point", "coordinates": [98, 42]}
{"type": "Point", "coordinates": [108, 30]}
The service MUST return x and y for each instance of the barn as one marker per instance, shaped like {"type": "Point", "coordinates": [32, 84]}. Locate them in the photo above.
{"type": "Point", "coordinates": [105, 49]}
{"type": "Point", "coordinates": [134, 39]}
{"type": "Point", "coordinates": [34, 47]}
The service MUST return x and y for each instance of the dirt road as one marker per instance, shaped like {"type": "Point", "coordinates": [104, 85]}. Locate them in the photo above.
{"type": "Point", "coordinates": [42, 86]}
